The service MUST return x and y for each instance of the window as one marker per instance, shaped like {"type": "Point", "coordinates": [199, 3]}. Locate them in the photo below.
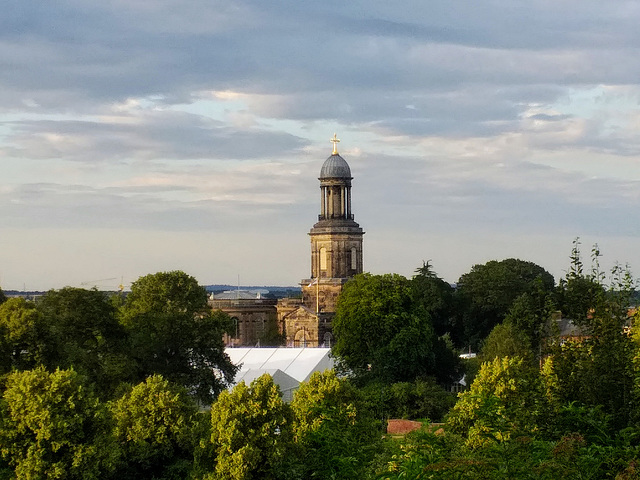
{"type": "Point", "coordinates": [323, 258]}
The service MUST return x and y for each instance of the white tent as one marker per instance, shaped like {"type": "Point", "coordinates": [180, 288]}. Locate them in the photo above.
{"type": "Point", "coordinates": [287, 366]}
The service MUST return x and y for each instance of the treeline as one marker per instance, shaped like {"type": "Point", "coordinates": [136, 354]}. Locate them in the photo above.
{"type": "Point", "coordinates": [107, 387]}
{"type": "Point", "coordinates": [164, 326]}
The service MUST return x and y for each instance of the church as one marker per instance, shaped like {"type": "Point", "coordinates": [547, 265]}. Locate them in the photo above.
{"type": "Point", "coordinates": [336, 256]}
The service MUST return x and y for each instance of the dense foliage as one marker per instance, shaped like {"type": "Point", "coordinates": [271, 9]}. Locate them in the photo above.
{"type": "Point", "coordinates": [383, 331]}
{"type": "Point", "coordinates": [174, 333]}
{"type": "Point", "coordinates": [488, 291]}
{"type": "Point", "coordinates": [52, 427]}
{"type": "Point", "coordinates": [96, 387]}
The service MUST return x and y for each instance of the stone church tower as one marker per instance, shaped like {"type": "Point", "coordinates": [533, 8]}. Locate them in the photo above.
{"type": "Point", "coordinates": [336, 256]}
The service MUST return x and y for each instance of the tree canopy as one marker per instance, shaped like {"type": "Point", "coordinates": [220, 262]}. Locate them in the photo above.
{"type": "Point", "coordinates": [174, 333]}
{"type": "Point", "coordinates": [251, 431]}
{"type": "Point", "coordinates": [333, 428]}
{"type": "Point", "coordinates": [23, 336]}
{"type": "Point", "coordinates": [380, 331]}
{"type": "Point", "coordinates": [152, 422]}
{"type": "Point", "coordinates": [435, 296]}
{"type": "Point", "coordinates": [84, 333]}
{"type": "Point", "coordinates": [487, 292]}
{"type": "Point", "coordinates": [54, 427]}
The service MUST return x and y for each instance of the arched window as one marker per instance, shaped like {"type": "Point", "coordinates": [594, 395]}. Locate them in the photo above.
{"type": "Point", "coordinates": [354, 258]}
{"type": "Point", "coordinates": [236, 327]}
{"type": "Point", "coordinates": [323, 258]}
{"type": "Point", "coordinates": [327, 339]}
{"type": "Point", "coordinates": [302, 338]}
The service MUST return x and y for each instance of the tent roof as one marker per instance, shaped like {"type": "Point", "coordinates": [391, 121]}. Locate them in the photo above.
{"type": "Point", "coordinates": [297, 363]}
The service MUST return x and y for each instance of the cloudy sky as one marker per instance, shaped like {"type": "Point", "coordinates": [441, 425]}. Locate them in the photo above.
{"type": "Point", "coordinates": [143, 136]}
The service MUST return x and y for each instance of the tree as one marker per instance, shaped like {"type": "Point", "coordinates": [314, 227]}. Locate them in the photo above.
{"type": "Point", "coordinates": [506, 340]}
{"type": "Point", "coordinates": [597, 370]}
{"type": "Point", "coordinates": [250, 431]}
{"type": "Point", "coordinates": [530, 315]}
{"type": "Point", "coordinates": [23, 339]}
{"type": "Point", "coordinates": [54, 427]}
{"type": "Point", "coordinates": [505, 398]}
{"type": "Point", "coordinates": [487, 292]}
{"type": "Point", "coordinates": [380, 332]}
{"type": "Point", "coordinates": [335, 433]}
{"type": "Point", "coordinates": [436, 297]}
{"type": "Point", "coordinates": [3, 297]}
{"type": "Point", "coordinates": [420, 399]}
{"type": "Point", "coordinates": [85, 335]}
{"type": "Point", "coordinates": [174, 333]}
{"type": "Point", "coordinates": [579, 292]}
{"type": "Point", "coordinates": [152, 423]}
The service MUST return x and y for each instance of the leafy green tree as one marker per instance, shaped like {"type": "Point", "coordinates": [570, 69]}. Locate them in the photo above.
{"type": "Point", "coordinates": [335, 433]}
{"type": "Point", "coordinates": [506, 340]}
{"type": "Point", "coordinates": [436, 297]}
{"type": "Point", "coordinates": [251, 431]}
{"type": "Point", "coordinates": [23, 336]}
{"type": "Point", "coordinates": [3, 297]}
{"type": "Point", "coordinates": [380, 332]}
{"type": "Point", "coordinates": [531, 315]}
{"type": "Point", "coordinates": [579, 292]}
{"type": "Point", "coordinates": [85, 335]}
{"type": "Point", "coordinates": [174, 333]}
{"type": "Point", "coordinates": [505, 399]}
{"type": "Point", "coordinates": [487, 292]}
{"type": "Point", "coordinates": [597, 370]}
{"type": "Point", "coordinates": [54, 427]}
{"type": "Point", "coordinates": [152, 423]}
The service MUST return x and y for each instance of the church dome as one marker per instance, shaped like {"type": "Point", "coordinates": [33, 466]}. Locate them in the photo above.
{"type": "Point", "coordinates": [335, 167]}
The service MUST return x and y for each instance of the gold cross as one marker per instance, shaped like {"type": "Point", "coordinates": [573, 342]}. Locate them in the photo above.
{"type": "Point", "coordinates": [335, 142]}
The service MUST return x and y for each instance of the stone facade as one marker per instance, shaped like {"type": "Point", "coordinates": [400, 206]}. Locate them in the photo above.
{"type": "Point", "coordinates": [255, 318]}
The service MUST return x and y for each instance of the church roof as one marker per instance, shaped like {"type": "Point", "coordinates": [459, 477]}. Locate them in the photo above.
{"type": "Point", "coordinates": [335, 167]}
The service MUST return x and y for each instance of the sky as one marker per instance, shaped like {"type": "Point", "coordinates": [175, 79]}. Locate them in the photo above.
{"type": "Point", "coordinates": [141, 136]}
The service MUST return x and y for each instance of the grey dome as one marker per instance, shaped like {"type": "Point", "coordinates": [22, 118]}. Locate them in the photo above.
{"type": "Point", "coordinates": [335, 167]}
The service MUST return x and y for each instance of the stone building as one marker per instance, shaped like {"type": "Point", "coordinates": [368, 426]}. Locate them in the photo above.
{"type": "Point", "coordinates": [254, 317]}
{"type": "Point", "coordinates": [336, 256]}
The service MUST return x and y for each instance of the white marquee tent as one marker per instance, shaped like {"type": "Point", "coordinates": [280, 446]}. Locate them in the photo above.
{"type": "Point", "coordinates": [287, 366]}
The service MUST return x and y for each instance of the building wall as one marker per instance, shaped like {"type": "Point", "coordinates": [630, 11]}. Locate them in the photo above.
{"type": "Point", "coordinates": [252, 318]}
{"type": "Point", "coordinates": [342, 255]}
{"type": "Point", "coordinates": [326, 292]}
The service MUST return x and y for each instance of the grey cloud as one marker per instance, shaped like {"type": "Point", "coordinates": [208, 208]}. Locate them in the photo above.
{"type": "Point", "coordinates": [73, 206]}
{"type": "Point", "coordinates": [109, 52]}
{"type": "Point", "coordinates": [149, 135]}
{"type": "Point", "coordinates": [548, 118]}
{"type": "Point", "coordinates": [424, 195]}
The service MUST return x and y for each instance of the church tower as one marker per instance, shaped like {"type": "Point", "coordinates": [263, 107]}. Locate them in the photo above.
{"type": "Point", "coordinates": [336, 239]}
{"type": "Point", "coordinates": [336, 256]}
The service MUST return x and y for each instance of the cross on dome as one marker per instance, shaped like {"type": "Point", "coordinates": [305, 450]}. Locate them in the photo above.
{"type": "Point", "coordinates": [335, 142]}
